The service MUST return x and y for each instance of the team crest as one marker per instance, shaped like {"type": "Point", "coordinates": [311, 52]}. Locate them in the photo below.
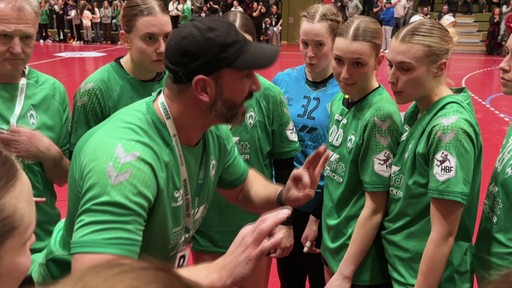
{"type": "Point", "coordinates": [213, 167]}
{"type": "Point", "coordinates": [250, 118]}
{"type": "Point", "coordinates": [382, 163]}
{"type": "Point", "coordinates": [32, 117]}
{"type": "Point", "coordinates": [350, 142]}
{"type": "Point", "coordinates": [444, 166]}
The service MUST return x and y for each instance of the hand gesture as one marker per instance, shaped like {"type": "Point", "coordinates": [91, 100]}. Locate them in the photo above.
{"type": "Point", "coordinates": [302, 183]}
{"type": "Point", "coordinates": [27, 143]}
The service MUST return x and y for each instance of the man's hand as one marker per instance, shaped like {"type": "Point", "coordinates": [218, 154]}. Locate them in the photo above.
{"type": "Point", "coordinates": [287, 244]}
{"type": "Point", "coordinates": [302, 183]}
{"type": "Point", "coordinates": [26, 143]}
{"type": "Point", "coordinates": [309, 236]}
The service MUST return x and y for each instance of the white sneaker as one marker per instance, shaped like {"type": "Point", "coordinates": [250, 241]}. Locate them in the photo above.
{"type": "Point", "coordinates": [41, 41]}
{"type": "Point", "coordinates": [48, 41]}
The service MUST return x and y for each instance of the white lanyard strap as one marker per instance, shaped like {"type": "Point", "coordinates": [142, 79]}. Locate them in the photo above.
{"type": "Point", "coordinates": [21, 97]}
{"type": "Point", "coordinates": [187, 202]}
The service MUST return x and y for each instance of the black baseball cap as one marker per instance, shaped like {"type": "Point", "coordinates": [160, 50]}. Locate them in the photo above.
{"type": "Point", "coordinates": [207, 45]}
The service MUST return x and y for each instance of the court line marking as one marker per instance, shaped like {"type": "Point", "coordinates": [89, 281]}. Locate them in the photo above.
{"type": "Point", "coordinates": [59, 58]}
{"type": "Point", "coordinates": [501, 115]}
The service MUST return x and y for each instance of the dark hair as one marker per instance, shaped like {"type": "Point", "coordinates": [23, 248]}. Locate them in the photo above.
{"type": "Point", "coordinates": [133, 10]}
{"type": "Point", "coordinates": [9, 174]}
{"type": "Point", "coordinates": [242, 22]}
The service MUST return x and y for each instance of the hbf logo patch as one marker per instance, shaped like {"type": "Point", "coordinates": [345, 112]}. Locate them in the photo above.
{"type": "Point", "coordinates": [445, 166]}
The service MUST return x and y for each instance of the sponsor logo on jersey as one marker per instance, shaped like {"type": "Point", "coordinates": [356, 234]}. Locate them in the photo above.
{"type": "Point", "coordinates": [382, 124]}
{"type": "Point", "coordinates": [493, 204]}
{"type": "Point", "coordinates": [504, 157]}
{"type": "Point", "coordinates": [291, 132]}
{"type": "Point", "coordinates": [32, 117]}
{"type": "Point", "coordinates": [334, 168]}
{"type": "Point", "coordinates": [382, 163]}
{"type": "Point", "coordinates": [396, 182]}
{"type": "Point", "coordinates": [116, 173]}
{"type": "Point", "coordinates": [444, 166]}
{"type": "Point", "coordinates": [250, 118]}
{"type": "Point", "coordinates": [448, 120]}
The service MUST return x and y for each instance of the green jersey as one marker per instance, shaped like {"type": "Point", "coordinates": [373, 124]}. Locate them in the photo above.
{"type": "Point", "coordinates": [267, 133]}
{"type": "Point", "coordinates": [439, 156]}
{"type": "Point", "coordinates": [104, 92]}
{"type": "Point", "coordinates": [362, 140]}
{"type": "Point", "coordinates": [125, 190]}
{"type": "Point", "coordinates": [493, 247]}
{"type": "Point", "coordinates": [45, 109]}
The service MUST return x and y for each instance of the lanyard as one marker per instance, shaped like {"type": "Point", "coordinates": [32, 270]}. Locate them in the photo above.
{"type": "Point", "coordinates": [21, 97]}
{"type": "Point", "coordinates": [187, 202]}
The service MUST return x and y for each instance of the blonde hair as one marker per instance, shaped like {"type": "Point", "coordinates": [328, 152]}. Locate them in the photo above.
{"type": "Point", "coordinates": [362, 28]}
{"type": "Point", "coordinates": [324, 13]}
{"type": "Point", "coordinates": [133, 10]}
{"type": "Point", "coordinates": [126, 274]}
{"type": "Point", "coordinates": [429, 34]}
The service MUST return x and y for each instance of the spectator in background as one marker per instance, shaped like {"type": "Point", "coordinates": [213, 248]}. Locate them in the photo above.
{"type": "Point", "coordinates": [236, 7]}
{"type": "Point", "coordinates": [96, 22]}
{"type": "Point", "coordinates": [257, 14]}
{"type": "Point", "coordinates": [116, 16]}
{"type": "Point", "coordinates": [378, 7]}
{"type": "Point", "coordinates": [226, 5]}
{"type": "Point", "coordinates": [174, 13]}
{"type": "Point", "coordinates": [86, 16]}
{"type": "Point", "coordinates": [506, 9]}
{"type": "Point", "coordinates": [453, 6]}
{"type": "Point", "coordinates": [442, 13]}
{"type": "Point", "coordinates": [106, 22]}
{"type": "Point", "coordinates": [128, 78]}
{"type": "Point", "coordinates": [44, 23]}
{"type": "Point", "coordinates": [353, 8]}
{"type": "Point", "coordinates": [60, 21]}
{"type": "Point", "coordinates": [400, 9]}
{"type": "Point", "coordinates": [276, 19]}
{"type": "Point", "coordinates": [388, 22]}
{"type": "Point", "coordinates": [492, 43]}
{"type": "Point", "coordinates": [185, 11]}
{"type": "Point", "coordinates": [34, 115]}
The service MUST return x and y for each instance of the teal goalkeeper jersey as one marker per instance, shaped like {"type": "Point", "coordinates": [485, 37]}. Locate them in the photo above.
{"type": "Point", "coordinates": [439, 156]}
{"type": "Point", "coordinates": [125, 190]}
{"type": "Point", "coordinates": [363, 141]}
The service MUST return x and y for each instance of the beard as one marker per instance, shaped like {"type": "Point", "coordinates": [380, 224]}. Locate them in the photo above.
{"type": "Point", "coordinates": [228, 112]}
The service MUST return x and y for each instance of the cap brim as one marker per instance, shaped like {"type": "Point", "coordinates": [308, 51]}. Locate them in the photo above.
{"type": "Point", "coordinates": [257, 56]}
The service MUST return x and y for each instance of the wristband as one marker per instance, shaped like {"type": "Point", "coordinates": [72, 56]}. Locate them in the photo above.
{"type": "Point", "coordinates": [279, 198]}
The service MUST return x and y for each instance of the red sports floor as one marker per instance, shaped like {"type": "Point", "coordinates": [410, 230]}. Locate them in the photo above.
{"type": "Point", "coordinates": [71, 64]}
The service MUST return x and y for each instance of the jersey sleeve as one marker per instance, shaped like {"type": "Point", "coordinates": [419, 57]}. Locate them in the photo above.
{"type": "Point", "coordinates": [453, 149]}
{"type": "Point", "coordinates": [63, 102]}
{"type": "Point", "coordinates": [284, 137]}
{"type": "Point", "coordinates": [381, 137]}
{"type": "Point", "coordinates": [115, 186]}
{"type": "Point", "coordinates": [89, 108]}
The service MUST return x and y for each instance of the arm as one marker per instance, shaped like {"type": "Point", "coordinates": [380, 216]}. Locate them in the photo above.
{"type": "Point", "coordinates": [33, 145]}
{"type": "Point", "coordinates": [259, 194]}
{"type": "Point", "coordinates": [445, 217]}
{"type": "Point", "coordinates": [366, 228]}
